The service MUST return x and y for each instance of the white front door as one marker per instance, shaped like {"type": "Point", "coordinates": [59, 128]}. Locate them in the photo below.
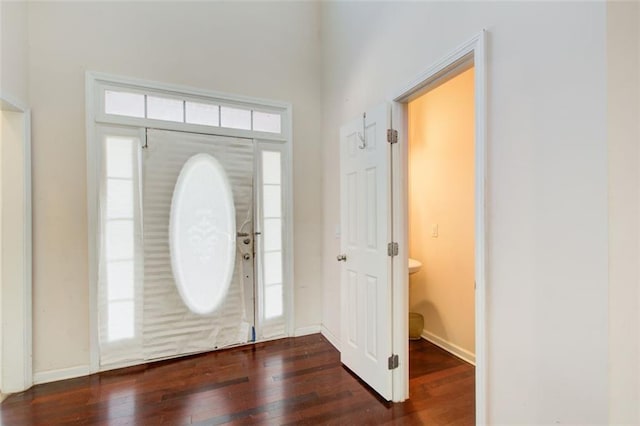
{"type": "Point", "coordinates": [365, 209]}
{"type": "Point", "coordinates": [198, 288]}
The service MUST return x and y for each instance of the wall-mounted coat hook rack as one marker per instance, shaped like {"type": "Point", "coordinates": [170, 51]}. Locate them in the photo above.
{"type": "Point", "coordinates": [363, 136]}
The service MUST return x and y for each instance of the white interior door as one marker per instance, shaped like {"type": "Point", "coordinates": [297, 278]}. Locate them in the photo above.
{"type": "Point", "coordinates": [365, 205]}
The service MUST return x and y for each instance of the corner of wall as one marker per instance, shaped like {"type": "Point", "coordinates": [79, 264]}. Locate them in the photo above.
{"type": "Point", "coordinates": [623, 132]}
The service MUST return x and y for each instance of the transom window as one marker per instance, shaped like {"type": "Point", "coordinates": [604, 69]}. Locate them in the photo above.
{"type": "Point", "coordinates": [125, 103]}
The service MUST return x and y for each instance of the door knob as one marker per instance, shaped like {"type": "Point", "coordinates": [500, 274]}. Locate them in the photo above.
{"type": "Point", "coordinates": [342, 258]}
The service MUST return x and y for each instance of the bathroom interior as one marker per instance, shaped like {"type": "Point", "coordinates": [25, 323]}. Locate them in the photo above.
{"type": "Point", "coordinates": [441, 221]}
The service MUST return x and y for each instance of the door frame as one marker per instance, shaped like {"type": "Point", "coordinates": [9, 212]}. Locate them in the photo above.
{"type": "Point", "coordinates": [472, 52]}
{"type": "Point", "coordinates": [17, 331]}
{"type": "Point", "coordinates": [95, 83]}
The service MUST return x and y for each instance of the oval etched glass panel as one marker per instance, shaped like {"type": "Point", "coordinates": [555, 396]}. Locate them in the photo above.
{"type": "Point", "coordinates": [202, 234]}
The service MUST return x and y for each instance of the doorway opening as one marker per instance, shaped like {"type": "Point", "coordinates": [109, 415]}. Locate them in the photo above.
{"type": "Point", "coordinates": [441, 237]}
{"type": "Point", "coordinates": [468, 57]}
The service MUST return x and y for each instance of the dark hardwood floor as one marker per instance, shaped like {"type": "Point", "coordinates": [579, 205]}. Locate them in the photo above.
{"type": "Point", "coordinates": [289, 381]}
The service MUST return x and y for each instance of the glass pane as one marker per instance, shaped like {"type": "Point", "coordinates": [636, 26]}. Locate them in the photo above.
{"type": "Point", "coordinates": [164, 109]}
{"type": "Point", "coordinates": [273, 268]}
{"type": "Point", "coordinates": [119, 153]}
{"type": "Point", "coordinates": [235, 118]}
{"type": "Point", "coordinates": [272, 234]}
{"type": "Point", "coordinates": [206, 114]}
{"type": "Point", "coordinates": [273, 301]}
{"type": "Point", "coordinates": [271, 167]}
{"type": "Point", "coordinates": [124, 103]}
{"type": "Point", "coordinates": [202, 234]}
{"type": "Point", "coordinates": [272, 202]}
{"type": "Point", "coordinates": [119, 239]}
{"type": "Point", "coordinates": [120, 280]}
{"type": "Point", "coordinates": [120, 320]}
{"type": "Point", "coordinates": [266, 122]}
{"type": "Point", "coordinates": [119, 199]}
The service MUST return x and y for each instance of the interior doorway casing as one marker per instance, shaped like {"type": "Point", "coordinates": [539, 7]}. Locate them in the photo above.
{"type": "Point", "coordinates": [16, 321]}
{"type": "Point", "coordinates": [471, 53]}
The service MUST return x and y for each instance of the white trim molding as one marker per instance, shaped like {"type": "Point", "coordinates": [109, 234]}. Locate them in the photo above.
{"type": "Point", "coordinates": [332, 338]}
{"type": "Point", "coordinates": [305, 331]}
{"type": "Point", "coordinates": [452, 348]}
{"type": "Point", "coordinates": [61, 374]}
{"type": "Point", "coordinates": [470, 53]}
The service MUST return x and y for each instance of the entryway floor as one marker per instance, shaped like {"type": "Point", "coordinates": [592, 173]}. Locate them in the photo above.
{"type": "Point", "coordinates": [289, 381]}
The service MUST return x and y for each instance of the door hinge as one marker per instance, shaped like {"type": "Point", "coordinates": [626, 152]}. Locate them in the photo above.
{"type": "Point", "coordinates": [392, 249]}
{"type": "Point", "coordinates": [393, 362]}
{"type": "Point", "coordinates": [392, 136]}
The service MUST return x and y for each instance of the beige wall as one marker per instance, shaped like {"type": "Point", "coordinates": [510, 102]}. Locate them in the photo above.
{"type": "Point", "coordinates": [441, 193]}
{"type": "Point", "coordinates": [547, 216]}
{"type": "Point", "coordinates": [623, 135]}
{"type": "Point", "coordinates": [267, 50]}
{"type": "Point", "coordinates": [13, 50]}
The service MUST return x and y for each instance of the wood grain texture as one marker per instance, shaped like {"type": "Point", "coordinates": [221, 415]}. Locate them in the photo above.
{"type": "Point", "coordinates": [284, 382]}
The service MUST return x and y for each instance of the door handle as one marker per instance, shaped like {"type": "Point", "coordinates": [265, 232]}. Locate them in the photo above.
{"type": "Point", "coordinates": [246, 234]}
{"type": "Point", "coordinates": [342, 258]}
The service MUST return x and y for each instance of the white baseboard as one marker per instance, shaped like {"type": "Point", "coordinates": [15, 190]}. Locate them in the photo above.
{"type": "Point", "coordinates": [303, 331]}
{"type": "Point", "coordinates": [330, 337]}
{"type": "Point", "coordinates": [452, 348]}
{"type": "Point", "coordinates": [61, 374]}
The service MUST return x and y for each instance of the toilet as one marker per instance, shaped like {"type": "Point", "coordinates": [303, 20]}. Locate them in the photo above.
{"type": "Point", "coordinates": [416, 320]}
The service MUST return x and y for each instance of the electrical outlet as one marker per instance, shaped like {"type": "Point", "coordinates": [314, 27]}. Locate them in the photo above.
{"type": "Point", "coordinates": [434, 230]}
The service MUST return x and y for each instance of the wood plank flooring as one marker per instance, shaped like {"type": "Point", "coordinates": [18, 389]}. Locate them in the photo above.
{"type": "Point", "coordinates": [289, 381]}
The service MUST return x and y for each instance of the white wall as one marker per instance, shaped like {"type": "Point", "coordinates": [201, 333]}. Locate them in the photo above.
{"type": "Point", "coordinates": [547, 181]}
{"type": "Point", "coordinates": [623, 78]}
{"type": "Point", "coordinates": [255, 49]}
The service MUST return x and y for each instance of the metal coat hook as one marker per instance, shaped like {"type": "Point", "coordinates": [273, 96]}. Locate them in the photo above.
{"type": "Point", "coordinates": [363, 136]}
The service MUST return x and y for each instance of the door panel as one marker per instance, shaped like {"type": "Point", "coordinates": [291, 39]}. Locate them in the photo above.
{"type": "Point", "coordinates": [169, 326]}
{"type": "Point", "coordinates": [366, 272]}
